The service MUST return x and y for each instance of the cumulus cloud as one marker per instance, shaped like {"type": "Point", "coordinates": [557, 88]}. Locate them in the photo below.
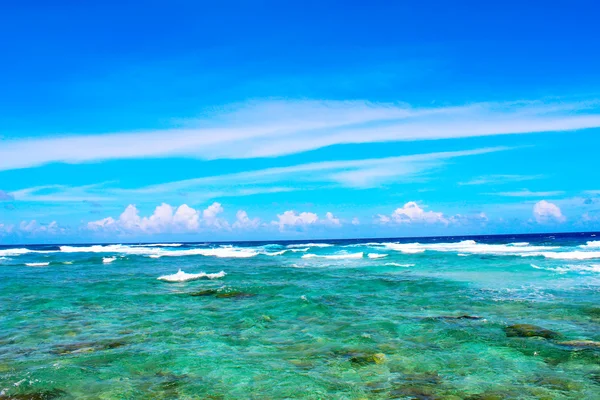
{"type": "Point", "coordinates": [211, 216]}
{"type": "Point", "coordinates": [355, 221]}
{"type": "Point", "coordinates": [331, 220]}
{"type": "Point", "coordinates": [164, 219]}
{"type": "Point", "coordinates": [544, 212]}
{"type": "Point", "coordinates": [291, 219]}
{"type": "Point", "coordinates": [412, 213]}
{"type": "Point", "coordinates": [242, 221]}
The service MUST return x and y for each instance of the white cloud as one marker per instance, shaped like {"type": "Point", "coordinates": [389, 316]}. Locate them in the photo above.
{"type": "Point", "coordinates": [165, 219]}
{"type": "Point", "coordinates": [500, 179]}
{"type": "Point", "coordinates": [244, 222]}
{"type": "Point", "coordinates": [211, 217]}
{"type": "Point", "coordinates": [292, 219]}
{"type": "Point", "coordinates": [331, 220]}
{"type": "Point", "coordinates": [5, 196]}
{"type": "Point", "coordinates": [274, 128]}
{"type": "Point", "coordinates": [350, 173]}
{"type": "Point", "coordinates": [6, 229]}
{"type": "Point", "coordinates": [33, 227]}
{"type": "Point", "coordinates": [528, 193]}
{"type": "Point", "coordinates": [355, 221]}
{"type": "Point", "coordinates": [544, 211]}
{"type": "Point", "coordinates": [412, 213]}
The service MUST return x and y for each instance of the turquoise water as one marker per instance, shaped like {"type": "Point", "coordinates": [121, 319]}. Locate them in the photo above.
{"type": "Point", "coordinates": [427, 319]}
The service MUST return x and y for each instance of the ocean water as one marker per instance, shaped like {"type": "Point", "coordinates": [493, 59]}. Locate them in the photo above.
{"type": "Point", "coordinates": [356, 319]}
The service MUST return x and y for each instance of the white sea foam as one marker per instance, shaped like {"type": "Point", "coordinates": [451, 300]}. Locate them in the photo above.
{"type": "Point", "coordinates": [222, 252]}
{"type": "Point", "coordinates": [591, 244]}
{"type": "Point", "coordinates": [293, 246]}
{"type": "Point", "coordinates": [393, 264]}
{"type": "Point", "coordinates": [519, 244]}
{"type": "Point", "coordinates": [274, 253]}
{"type": "Point", "coordinates": [335, 256]}
{"type": "Point", "coordinates": [469, 247]}
{"type": "Point", "coordinates": [38, 264]}
{"type": "Point", "coordinates": [571, 268]}
{"type": "Point", "coordinates": [181, 276]}
{"type": "Point", "coordinates": [21, 251]}
{"type": "Point", "coordinates": [376, 255]}
{"type": "Point", "coordinates": [111, 248]}
{"type": "Point", "coordinates": [567, 255]}
{"type": "Point", "coordinates": [67, 262]}
{"type": "Point", "coordinates": [108, 260]}
{"type": "Point", "coordinates": [299, 250]}
{"type": "Point", "coordinates": [159, 245]}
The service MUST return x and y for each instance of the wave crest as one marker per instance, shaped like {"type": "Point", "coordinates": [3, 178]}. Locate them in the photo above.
{"type": "Point", "coordinates": [181, 276]}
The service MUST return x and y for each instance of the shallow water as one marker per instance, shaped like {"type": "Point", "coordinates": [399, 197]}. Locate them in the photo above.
{"type": "Point", "coordinates": [426, 321]}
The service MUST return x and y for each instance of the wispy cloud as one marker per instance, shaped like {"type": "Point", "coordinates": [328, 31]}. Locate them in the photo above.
{"type": "Point", "coordinates": [499, 179]}
{"type": "Point", "coordinates": [358, 174]}
{"type": "Point", "coordinates": [5, 196]}
{"type": "Point", "coordinates": [62, 193]}
{"type": "Point", "coordinates": [274, 128]}
{"type": "Point", "coordinates": [528, 193]}
{"type": "Point", "coordinates": [348, 173]}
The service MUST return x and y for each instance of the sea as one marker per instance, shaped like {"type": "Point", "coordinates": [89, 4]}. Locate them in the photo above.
{"type": "Point", "coordinates": [487, 317]}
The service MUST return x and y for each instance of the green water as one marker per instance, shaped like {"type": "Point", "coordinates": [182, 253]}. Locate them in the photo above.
{"type": "Point", "coordinates": [283, 326]}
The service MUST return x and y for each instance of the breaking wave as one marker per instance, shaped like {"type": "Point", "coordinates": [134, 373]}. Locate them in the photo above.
{"type": "Point", "coordinates": [376, 255]}
{"type": "Point", "coordinates": [108, 260]}
{"type": "Point", "coordinates": [181, 276]}
{"type": "Point", "coordinates": [294, 246]}
{"type": "Point", "coordinates": [335, 256]}
{"type": "Point", "coordinates": [591, 244]}
{"type": "Point", "coordinates": [570, 268]}
{"type": "Point", "coordinates": [159, 245]}
{"type": "Point", "coordinates": [38, 264]}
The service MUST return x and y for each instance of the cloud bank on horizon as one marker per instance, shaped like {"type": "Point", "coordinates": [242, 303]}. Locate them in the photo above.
{"type": "Point", "coordinates": [227, 128]}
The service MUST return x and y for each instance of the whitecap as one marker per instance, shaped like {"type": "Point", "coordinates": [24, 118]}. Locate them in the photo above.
{"type": "Point", "coordinates": [21, 251]}
{"type": "Point", "coordinates": [591, 244]}
{"type": "Point", "coordinates": [38, 264]}
{"type": "Point", "coordinates": [393, 264]}
{"type": "Point", "coordinates": [335, 256]}
{"type": "Point", "coordinates": [274, 253]}
{"type": "Point", "coordinates": [571, 268]}
{"type": "Point", "coordinates": [376, 255]}
{"type": "Point", "coordinates": [181, 276]}
{"type": "Point", "coordinates": [468, 247]}
{"type": "Point", "coordinates": [568, 255]}
{"type": "Point", "coordinates": [519, 244]}
{"type": "Point", "coordinates": [159, 245]}
{"type": "Point", "coordinates": [299, 250]}
{"type": "Point", "coordinates": [293, 246]}
{"type": "Point", "coordinates": [111, 248]}
{"type": "Point", "coordinates": [222, 252]}
{"type": "Point", "coordinates": [108, 260]}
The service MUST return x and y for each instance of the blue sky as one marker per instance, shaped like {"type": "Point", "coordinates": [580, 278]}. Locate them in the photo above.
{"type": "Point", "coordinates": [131, 121]}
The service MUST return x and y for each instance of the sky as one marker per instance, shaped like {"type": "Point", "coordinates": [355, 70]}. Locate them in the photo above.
{"type": "Point", "coordinates": [237, 120]}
